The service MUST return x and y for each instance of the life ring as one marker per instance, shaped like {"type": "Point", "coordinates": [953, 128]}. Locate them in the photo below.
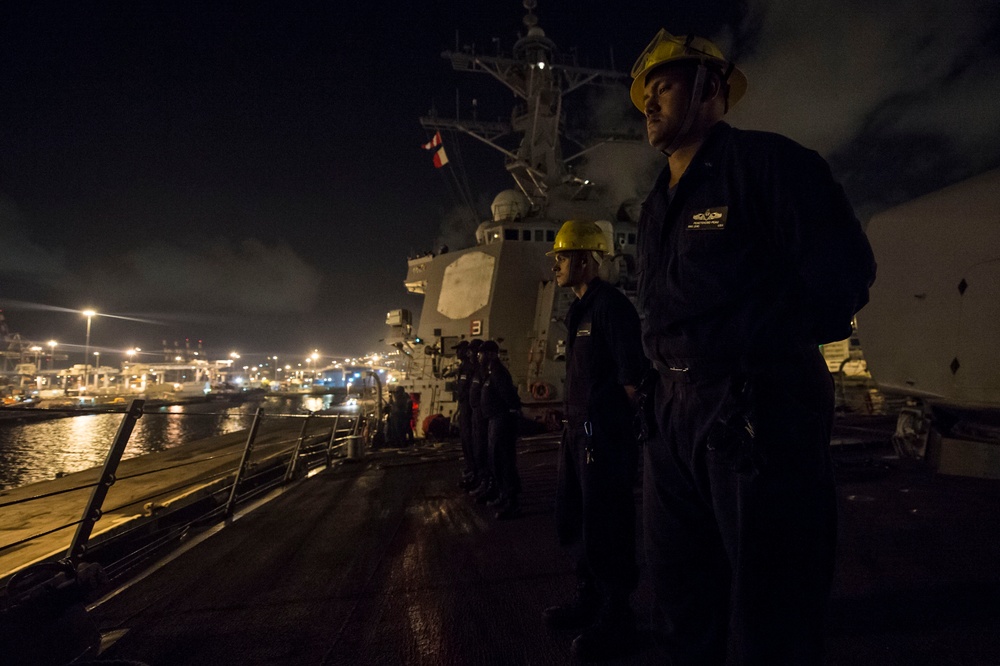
{"type": "Point", "coordinates": [541, 391]}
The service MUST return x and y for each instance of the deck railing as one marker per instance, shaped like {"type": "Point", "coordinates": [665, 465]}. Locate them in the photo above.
{"type": "Point", "coordinates": [47, 571]}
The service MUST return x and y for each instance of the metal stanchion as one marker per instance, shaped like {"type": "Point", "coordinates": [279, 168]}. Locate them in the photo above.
{"type": "Point", "coordinates": [290, 471]}
{"type": "Point", "coordinates": [93, 511]}
{"type": "Point", "coordinates": [231, 504]}
{"type": "Point", "coordinates": [355, 441]}
{"type": "Point", "coordinates": [333, 438]}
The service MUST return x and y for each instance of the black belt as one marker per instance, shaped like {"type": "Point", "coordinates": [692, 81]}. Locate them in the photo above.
{"type": "Point", "coordinates": [687, 372]}
{"type": "Point", "coordinates": [694, 370]}
{"type": "Point", "coordinates": [576, 425]}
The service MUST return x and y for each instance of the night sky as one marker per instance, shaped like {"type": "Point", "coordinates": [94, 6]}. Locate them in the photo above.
{"type": "Point", "coordinates": [251, 174]}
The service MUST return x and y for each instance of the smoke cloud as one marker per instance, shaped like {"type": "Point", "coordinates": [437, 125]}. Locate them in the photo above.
{"type": "Point", "coordinates": [878, 87]}
{"type": "Point", "coordinates": [221, 276]}
{"type": "Point", "coordinates": [25, 251]}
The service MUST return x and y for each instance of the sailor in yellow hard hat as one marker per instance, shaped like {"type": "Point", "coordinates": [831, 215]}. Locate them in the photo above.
{"type": "Point", "coordinates": [716, 81]}
{"type": "Point", "coordinates": [751, 258]}
{"type": "Point", "coordinates": [595, 511]}
{"type": "Point", "coordinates": [581, 248]}
{"type": "Point", "coordinates": [579, 235]}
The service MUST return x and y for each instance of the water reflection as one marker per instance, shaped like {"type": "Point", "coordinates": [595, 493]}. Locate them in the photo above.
{"type": "Point", "coordinates": [39, 451]}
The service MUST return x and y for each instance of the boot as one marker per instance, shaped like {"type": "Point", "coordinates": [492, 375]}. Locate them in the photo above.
{"type": "Point", "coordinates": [612, 635]}
{"type": "Point", "coordinates": [509, 509]}
{"type": "Point", "coordinates": [577, 614]}
{"type": "Point", "coordinates": [480, 487]}
{"type": "Point", "coordinates": [489, 493]}
{"type": "Point", "coordinates": [498, 502]}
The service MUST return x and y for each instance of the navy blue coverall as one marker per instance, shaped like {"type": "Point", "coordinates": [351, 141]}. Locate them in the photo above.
{"type": "Point", "coordinates": [753, 260]}
{"type": "Point", "coordinates": [463, 380]}
{"type": "Point", "coordinates": [480, 436]}
{"type": "Point", "coordinates": [501, 408]}
{"type": "Point", "coordinates": [595, 509]}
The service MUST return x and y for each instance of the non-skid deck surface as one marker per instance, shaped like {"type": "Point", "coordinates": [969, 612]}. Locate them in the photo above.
{"type": "Point", "coordinates": [387, 562]}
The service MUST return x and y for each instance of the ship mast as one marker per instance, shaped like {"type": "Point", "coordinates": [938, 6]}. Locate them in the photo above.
{"type": "Point", "coordinates": [538, 75]}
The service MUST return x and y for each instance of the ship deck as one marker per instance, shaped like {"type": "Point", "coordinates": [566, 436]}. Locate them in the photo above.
{"type": "Point", "coordinates": [386, 561]}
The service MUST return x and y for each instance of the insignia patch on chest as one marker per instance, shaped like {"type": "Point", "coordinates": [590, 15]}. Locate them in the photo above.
{"type": "Point", "coordinates": [583, 331]}
{"type": "Point", "coordinates": [709, 219]}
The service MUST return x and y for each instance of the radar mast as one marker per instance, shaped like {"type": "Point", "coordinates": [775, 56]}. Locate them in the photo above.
{"type": "Point", "coordinates": [540, 77]}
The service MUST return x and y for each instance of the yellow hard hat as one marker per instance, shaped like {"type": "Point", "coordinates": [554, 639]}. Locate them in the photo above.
{"type": "Point", "coordinates": [667, 48]}
{"type": "Point", "coordinates": [579, 235]}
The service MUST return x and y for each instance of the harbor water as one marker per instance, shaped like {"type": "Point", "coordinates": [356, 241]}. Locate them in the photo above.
{"type": "Point", "coordinates": [31, 452]}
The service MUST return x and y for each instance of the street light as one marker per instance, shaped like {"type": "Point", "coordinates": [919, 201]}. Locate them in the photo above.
{"type": "Point", "coordinates": [38, 363]}
{"type": "Point", "coordinates": [97, 369]}
{"type": "Point", "coordinates": [313, 357]}
{"type": "Point", "coordinates": [128, 368]}
{"type": "Point", "coordinates": [86, 350]}
{"type": "Point", "coordinates": [52, 353]}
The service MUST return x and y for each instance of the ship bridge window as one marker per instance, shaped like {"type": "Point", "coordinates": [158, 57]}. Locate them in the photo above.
{"type": "Point", "coordinates": [526, 234]}
{"type": "Point", "coordinates": [631, 239]}
{"type": "Point", "coordinates": [493, 234]}
{"type": "Point", "coordinates": [539, 235]}
{"type": "Point", "coordinates": [550, 235]}
{"type": "Point", "coordinates": [510, 234]}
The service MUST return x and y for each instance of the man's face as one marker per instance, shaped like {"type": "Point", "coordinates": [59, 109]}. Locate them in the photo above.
{"type": "Point", "coordinates": [568, 272]}
{"type": "Point", "coordinates": [666, 97]}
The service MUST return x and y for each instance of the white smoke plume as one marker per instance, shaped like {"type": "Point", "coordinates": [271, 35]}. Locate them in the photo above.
{"type": "Point", "coordinates": [829, 74]}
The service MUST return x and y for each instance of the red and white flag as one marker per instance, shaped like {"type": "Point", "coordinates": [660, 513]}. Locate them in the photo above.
{"type": "Point", "coordinates": [440, 158]}
{"type": "Point", "coordinates": [433, 143]}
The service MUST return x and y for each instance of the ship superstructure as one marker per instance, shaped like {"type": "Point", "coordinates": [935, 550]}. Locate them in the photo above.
{"type": "Point", "coordinates": [502, 287]}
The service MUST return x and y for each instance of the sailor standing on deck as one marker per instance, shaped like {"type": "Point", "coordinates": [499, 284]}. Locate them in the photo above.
{"type": "Point", "coordinates": [749, 257]}
{"type": "Point", "coordinates": [486, 490]}
{"type": "Point", "coordinates": [402, 412]}
{"type": "Point", "coordinates": [501, 408]}
{"type": "Point", "coordinates": [595, 509]}
{"type": "Point", "coordinates": [463, 376]}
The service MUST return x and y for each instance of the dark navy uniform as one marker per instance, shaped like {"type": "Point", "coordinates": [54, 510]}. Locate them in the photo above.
{"type": "Point", "coordinates": [595, 510]}
{"type": "Point", "coordinates": [463, 379]}
{"type": "Point", "coordinates": [501, 408]}
{"type": "Point", "coordinates": [401, 414]}
{"type": "Point", "coordinates": [752, 261]}
{"type": "Point", "coordinates": [480, 437]}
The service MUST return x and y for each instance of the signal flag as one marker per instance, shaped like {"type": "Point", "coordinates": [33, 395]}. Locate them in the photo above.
{"type": "Point", "coordinates": [440, 157]}
{"type": "Point", "coordinates": [433, 143]}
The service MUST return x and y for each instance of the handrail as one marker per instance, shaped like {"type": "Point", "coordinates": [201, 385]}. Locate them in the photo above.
{"type": "Point", "coordinates": [312, 448]}
{"type": "Point", "coordinates": [40, 535]}
{"type": "Point", "coordinates": [190, 482]}
{"type": "Point", "coordinates": [158, 470]}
